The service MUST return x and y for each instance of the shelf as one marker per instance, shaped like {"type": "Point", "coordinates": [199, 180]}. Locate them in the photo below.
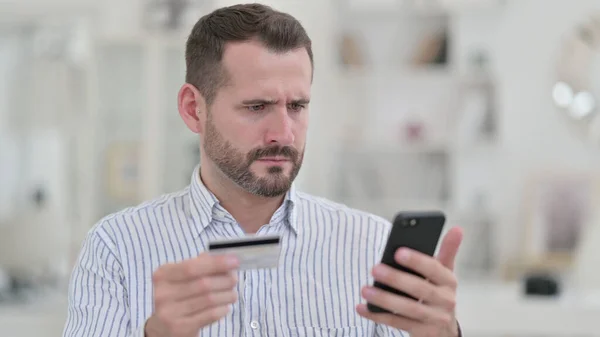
{"type": "Point", "coordinates": [426, 72]}
{"type": "Point", "coordinates": [46, 316]}
{"type": "Point", "coordinates": [390, 149]}
{"type": "Point", "coordinates": [480, 6]}
{"type": "Point", "coordinates": [496, 309]}
{"type": "Point", "coordinates": [369, 11]}
{"type": "Point", "coordinates": [400, 8]}
{"type": "Point", "coordinates": [420, 204]}
{"type": "Point", "coordinates": [387, 208]}
{"type": "Point", "coordinates": [449, 147]}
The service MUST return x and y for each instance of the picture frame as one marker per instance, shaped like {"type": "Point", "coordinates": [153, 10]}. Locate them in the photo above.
{"type": "Point", "coordinates": [123, 171]}
{"type": "Point", "coordinates": [351, 54]}
{"type": "Point", "coordinates": [558, 209]}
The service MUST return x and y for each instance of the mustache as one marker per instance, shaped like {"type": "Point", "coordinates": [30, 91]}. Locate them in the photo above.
{"type": "Point", "coordinates": [273, 151]}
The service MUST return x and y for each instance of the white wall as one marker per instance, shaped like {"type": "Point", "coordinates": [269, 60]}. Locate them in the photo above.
{"type": "Point", "coordinates": [524, 40]}
{"type": "Point", "coordinates": [9, 147]}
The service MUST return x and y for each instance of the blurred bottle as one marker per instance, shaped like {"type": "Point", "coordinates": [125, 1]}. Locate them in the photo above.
{"type": "Point", "coordinates": [479, 112]}
{"type": "Point", "coordinates": [478, 254]}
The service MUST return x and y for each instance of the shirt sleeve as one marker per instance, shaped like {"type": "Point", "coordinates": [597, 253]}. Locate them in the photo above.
{"type": "Point", "coordinates": [382, 330]}
{"type": "Point", "coordinates": [97, 303]}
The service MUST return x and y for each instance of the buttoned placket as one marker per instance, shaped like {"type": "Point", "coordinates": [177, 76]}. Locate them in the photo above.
{"type": "Point", "coordinates": [249, 281]}
{"type": "Point", "coordinates": [254, 315]}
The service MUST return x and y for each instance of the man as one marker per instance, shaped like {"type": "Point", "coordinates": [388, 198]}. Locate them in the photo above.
{"type": "Point", "coordinates": [144, 271]}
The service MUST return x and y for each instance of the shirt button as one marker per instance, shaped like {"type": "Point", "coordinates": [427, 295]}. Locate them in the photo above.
{"type": "Point", "coordinates": [254, 325]}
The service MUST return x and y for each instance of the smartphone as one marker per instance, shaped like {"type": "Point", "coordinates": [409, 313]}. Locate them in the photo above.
{"type": "Point", "coordinates": [421, 231]}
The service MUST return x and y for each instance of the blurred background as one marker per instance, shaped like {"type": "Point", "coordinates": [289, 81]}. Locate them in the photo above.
{"type": "Point", "coordinates": [485, 109]}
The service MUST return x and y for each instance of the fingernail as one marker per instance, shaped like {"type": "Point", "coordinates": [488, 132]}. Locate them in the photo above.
{"type": "Point", "coordinates": [369, 292]}
{"type": "Point", "coordinates": [232, 261]}
{"type": "Point", "coordinates": [403, 255]}
{"type": "Point", "coordinates": [379, 271]}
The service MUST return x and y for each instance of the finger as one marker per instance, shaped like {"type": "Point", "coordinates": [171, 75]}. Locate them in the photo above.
{"type": "Point", "coordinates": [406, 307]}
{"type": "Point", "coordinates": [195, 305]}
{"type": "Point", "coordinates": [203, 265]}
{"type": "Point", "coordinates": [395, 321]}
{"type": "Point", "coordinates": [206, 317]}
{"type": "Point", "coordinates": [449, 247]}
{"type": "Point", "coordinates": [428, 266]}
{"type": "Point", "coordinates": [196, 287]}
{"type": "Point", "coordinates": [415, 286]}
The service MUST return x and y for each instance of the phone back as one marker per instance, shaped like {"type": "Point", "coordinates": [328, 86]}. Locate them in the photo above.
{"type": "Point", "coordinates": [420, 231]}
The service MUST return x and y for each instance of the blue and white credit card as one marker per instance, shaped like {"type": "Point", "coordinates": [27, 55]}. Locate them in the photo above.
{"type": "Point", "coordinates": [253, 252]}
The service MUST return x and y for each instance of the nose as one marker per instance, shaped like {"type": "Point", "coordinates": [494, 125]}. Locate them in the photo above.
{"type": "Point", "coordinates": [279, 129]}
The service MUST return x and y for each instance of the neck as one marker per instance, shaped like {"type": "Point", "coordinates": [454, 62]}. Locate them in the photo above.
{"type": "Point", "coordinates": [249, 210]}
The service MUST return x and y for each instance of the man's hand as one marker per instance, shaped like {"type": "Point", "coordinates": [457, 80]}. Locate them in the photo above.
{"type": "Point", "coordinates": [434, 314]}
{"type": "Point", "coordinates": [191, 295]}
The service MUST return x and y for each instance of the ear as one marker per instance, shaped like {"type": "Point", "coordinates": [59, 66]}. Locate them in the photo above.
{"type": "Point", "coordinates": [192, 107]}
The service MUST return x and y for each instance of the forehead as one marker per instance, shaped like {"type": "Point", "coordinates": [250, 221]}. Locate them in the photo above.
{"type": "Point", "coordinates": [255, 70]}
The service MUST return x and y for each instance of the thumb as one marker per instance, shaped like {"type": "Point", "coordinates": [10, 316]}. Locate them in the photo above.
{"type": "Point", "coordinates": [449, 247]}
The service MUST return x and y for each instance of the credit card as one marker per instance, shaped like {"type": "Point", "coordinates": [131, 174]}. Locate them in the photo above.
{"type": "Point", "coordinates": [253, 252]}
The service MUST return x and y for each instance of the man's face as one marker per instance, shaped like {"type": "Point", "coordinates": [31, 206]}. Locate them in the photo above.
{"type": "Point", "coordinates": [255, 130]}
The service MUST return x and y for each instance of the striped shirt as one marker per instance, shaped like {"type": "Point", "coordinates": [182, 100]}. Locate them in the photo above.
{"type": "Point", "coordinates": [327, 252]}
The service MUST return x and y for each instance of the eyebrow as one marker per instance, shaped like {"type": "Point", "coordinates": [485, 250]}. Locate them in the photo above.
{"type": "Point", "coordinates": [302, 101]}
{"type": "Point", "coordinates": [270, 102]}
{"type": "Point", "coordinates": [258, 102]}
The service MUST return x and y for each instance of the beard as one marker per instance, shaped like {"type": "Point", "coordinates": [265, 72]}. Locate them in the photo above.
{"type": "Point", "coordinates": [236, 165]}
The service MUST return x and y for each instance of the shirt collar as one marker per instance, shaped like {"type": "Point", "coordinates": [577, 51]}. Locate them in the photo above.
{"type": "Point", "coordinates": [205, 207]}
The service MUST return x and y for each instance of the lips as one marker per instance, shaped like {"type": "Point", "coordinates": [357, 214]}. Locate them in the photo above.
{"type": "Point", "coordinates": [274, 159]}
{"type": "Point", "coordinates": [273, 154]}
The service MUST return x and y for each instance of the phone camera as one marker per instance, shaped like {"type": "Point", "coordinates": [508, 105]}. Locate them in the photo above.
{"type": "Point", "coordinates": [413, 222]}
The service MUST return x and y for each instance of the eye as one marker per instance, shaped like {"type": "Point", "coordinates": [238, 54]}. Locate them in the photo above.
{"type": "Point", "coordinates": [256, 108]}
{"type": "Point", "coordinates": [296, 106]}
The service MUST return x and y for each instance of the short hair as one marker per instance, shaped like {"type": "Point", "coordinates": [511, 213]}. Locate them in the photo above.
{"type": "Point", "coordinates": [278, 31]}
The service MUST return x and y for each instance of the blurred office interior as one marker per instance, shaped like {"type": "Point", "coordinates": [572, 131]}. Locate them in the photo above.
{"type": "Point", "coordinates": [485, 109]}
